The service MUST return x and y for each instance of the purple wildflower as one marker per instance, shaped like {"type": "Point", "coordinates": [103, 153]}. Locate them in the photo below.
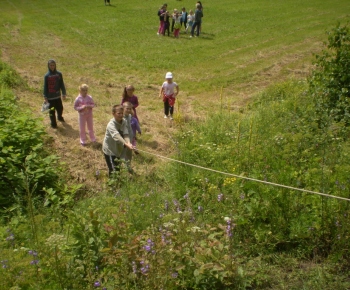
{"type": "Point", "coordinates": [4, 264]}
{"type": "Point", "coordinates": [32, 253]}
{"type": "Point", "coordinates": [147, 248]}
{"type": "Point", "coordinates": [134, 267]}
{"type": "Point", "coordinates": [145, 269]}
{"type": "Point", "coordinates": [220, 197]}
{"type": "Point", "coordinates": [186, 196]}
{"type": "Point", "coordinates": [97, 172]}
{"type": "Point", "coordinates": [11, 237]}
{"type": "Point", "coordinates": [97, 284]}
{"type": "Point", "coordinates": [166, 205]}
{"type": "Point", "coordinates": [242, 196]}
{"type": "Point", "coordinates": [34, 262]}
{"type": "Point", "coordinates": [174, 275]}
{"type": "Point", "coordinates": [229, 228]}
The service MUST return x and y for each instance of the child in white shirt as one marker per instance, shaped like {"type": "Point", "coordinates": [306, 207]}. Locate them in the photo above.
{"type": "Point", "coordinates": [167, 91]}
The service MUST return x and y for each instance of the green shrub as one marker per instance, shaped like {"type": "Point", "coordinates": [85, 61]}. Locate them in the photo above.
{"type": "Point", "coordinates": [24, 162]}
{"type": "Point", "coordinates": [330, 81]}
{"type": "Point", "coordinates": [9, 77]}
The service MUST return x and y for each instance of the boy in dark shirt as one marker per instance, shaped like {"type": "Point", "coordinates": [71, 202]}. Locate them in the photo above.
{"type": "Point", "coordinates": [53, 86]}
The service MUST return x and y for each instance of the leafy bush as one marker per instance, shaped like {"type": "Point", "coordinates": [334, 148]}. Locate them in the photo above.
{"type": "Point", "coordinates": [330, 81]}
{"type": "Point", "coordinates": [9, 77]}
{"type": "Point", "coordinates": [24, 164]}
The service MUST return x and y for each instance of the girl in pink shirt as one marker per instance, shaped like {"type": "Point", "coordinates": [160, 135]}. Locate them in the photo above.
{"type": "Point", "coordinates": [84, 104]}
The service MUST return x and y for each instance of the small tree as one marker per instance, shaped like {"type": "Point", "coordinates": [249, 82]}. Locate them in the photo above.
{"type": "Point", "coordinates": [329, 83]}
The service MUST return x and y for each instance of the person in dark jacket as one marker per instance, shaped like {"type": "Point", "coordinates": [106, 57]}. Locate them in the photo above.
{"type": "Point", "coordinates": [197, 20]}
{"type": "Point", "coordinates": [54, 92]}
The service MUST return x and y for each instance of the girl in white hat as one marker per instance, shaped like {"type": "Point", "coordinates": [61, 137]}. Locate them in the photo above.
{"type": "Point", "coordinates": [167, 91]}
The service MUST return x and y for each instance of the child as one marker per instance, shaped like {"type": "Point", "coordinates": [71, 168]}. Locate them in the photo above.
{"type": "Point", "coordinates": [184, 17]}
{"type": "Point", "coordinates": [177, 25]}
{"type": "Point", "coordinates": [190, 20]}
{"type": "Point", "coordinates": [173, 20]}
{"type": "Point", "coordinates": [128, 96]}
{"type": "Point", "coordinates": [53, 86]}
{"type": "Point", "coordinates": [167, 23]}
{"type": "Point", "coordinates": [198, 14]}
{"type": "Point", "coordinates": [84, 104]}
{"type": "Point", "coordinates": [135, 127]}
{"type": "Point", "coordinates": [127, 153]}
{"type": "Point", "coordinates": [167, 91]}
{"type": "Point", "coordinates": [116, 138]}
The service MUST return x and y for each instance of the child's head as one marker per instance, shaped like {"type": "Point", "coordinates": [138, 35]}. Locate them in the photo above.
{"type": "Point", "coordinates": [51, 65]}
{"type": "Point", "coordinates": [191, 12]}
{"type": "Point", "coordinates": [169, 77]}
{"type": "Point", "coordinates": [183, 9]}
{"type": "Point", "coordinates": [83, 89]}
{"type": "Point", "coordinates": [127, 108]}
{"type": "Point", "coordinates": [130, 90]}
{"type": "Point", "coordinates": [118, 112]}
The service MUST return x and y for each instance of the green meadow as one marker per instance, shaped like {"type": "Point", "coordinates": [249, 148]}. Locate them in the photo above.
{"type": "Point", "coordinates": [247, 188]}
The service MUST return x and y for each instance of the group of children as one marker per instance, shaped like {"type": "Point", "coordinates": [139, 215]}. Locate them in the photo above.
{"type": "Point", "coordinates": [178, 18]}
{"type": "Point", "coordinates": [120, 138]}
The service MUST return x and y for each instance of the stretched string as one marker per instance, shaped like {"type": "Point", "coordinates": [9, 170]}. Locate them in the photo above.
{"type": "Point", "coordinates": [246, 178]}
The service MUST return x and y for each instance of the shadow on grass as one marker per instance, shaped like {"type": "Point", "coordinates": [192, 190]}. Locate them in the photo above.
{"type": "Point", "coordinates": [69, 131]}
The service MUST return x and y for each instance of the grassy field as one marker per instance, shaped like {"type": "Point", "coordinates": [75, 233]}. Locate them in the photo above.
{"type": "Point", "coordinates": [244, 47]}
{"type": "Point", "coordinates": [205, 228]}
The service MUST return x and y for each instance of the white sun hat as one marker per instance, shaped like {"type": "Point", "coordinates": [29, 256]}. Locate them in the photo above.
{"type": "Point", "coordinates": [169, 75]}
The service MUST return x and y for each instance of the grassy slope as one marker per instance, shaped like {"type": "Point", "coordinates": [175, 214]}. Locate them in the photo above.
{"type": "Point", "coordinates": [245, 46]}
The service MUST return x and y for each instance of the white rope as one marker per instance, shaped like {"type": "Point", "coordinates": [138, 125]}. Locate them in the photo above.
{"type": "Point", "coordinates": [246, 178]}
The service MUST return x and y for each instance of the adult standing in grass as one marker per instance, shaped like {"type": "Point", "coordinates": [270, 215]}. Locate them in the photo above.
{"type": "Point", "coordinates": [167, 91]}
{"type": "Point", "coordinates": [116, 138]}
{"type": "Point", "coordinates": [197, 20]}
{"type": "Point", "coordinates": [107, 1]}
{"type": "Point", "coordinates": [54, 92]}
{"type": "Point", "coordinates": [128, 96]}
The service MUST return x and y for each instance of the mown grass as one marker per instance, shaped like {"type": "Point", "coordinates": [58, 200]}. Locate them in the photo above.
{"type": "Point", "coordinates": [244, 47]}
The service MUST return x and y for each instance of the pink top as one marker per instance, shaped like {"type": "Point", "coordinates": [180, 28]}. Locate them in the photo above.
{"type": "Point", "coordinates": [84, 101]}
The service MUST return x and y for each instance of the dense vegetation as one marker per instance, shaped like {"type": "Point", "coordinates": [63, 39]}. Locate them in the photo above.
{"type": "Point", "coordinates": [186, 227]}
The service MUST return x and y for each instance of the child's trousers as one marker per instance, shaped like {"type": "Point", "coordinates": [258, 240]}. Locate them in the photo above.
{"type": "Point", "coordinates": [86, 120]}
{"type": "Point", "coordinates": [167, 108]}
